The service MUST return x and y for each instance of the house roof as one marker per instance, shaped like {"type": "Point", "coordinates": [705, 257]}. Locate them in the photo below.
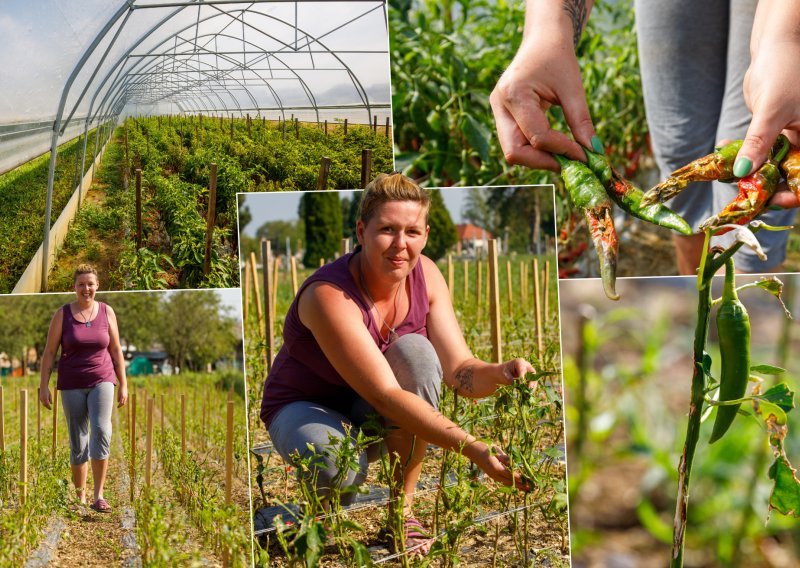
{"type": "Point", "coordinates": [468, 231]}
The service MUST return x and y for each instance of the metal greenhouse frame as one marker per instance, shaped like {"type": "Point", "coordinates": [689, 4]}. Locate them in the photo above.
{"type": "Point", "coordinates": [187, 68]}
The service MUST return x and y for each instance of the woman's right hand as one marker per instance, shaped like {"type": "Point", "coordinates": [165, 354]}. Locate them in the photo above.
{"type": "Point", "coordinates": [496, 464]}
{"type": "Point", "coordinates": [544, 72]}
{"type": "Point", "coordinates": [44, 396]}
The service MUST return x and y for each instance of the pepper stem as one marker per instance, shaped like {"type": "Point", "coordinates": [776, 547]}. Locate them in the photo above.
{"type": "Point", "coordinates": [729, 291]}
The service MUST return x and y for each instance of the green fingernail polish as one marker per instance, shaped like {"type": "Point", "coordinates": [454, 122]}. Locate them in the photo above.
{"type": "Point", "coordinates": [742, 167]}
{"type": "Point", "coordinates": [597, 144]}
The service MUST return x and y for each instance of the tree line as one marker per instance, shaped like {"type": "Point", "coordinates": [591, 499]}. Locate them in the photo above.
{"type": "Point", "coordinates": [193, 327]}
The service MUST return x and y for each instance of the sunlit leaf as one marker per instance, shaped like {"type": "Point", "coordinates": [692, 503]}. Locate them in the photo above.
{"type": "Point", "coordinates": [785, 496]}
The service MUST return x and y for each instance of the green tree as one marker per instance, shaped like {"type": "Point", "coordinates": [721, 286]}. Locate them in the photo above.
{"type": "Point", "coordinates": [443, 231]}
{"type": "Point", "coordinates": [277, 232]}
{"type": "Point", "coordinates": [322, 215]}
{"type": "Point", "coordinates": [139, 316]}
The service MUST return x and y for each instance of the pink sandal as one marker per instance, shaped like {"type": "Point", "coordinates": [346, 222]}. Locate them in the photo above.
{"type": "Point", "coordinates": [100, 506]}
{"type": "Point", "coordinates": [414, 531]}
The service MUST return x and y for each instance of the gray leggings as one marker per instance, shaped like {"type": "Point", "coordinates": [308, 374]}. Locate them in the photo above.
{"type": "Point", "coordinates": [83, 407]}
{"type": "Point", "coordinates": [300, 424]}
{"type": "Point", "coordinates": [693, 59]}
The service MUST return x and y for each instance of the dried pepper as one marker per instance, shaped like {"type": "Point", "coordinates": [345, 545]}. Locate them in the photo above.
{"type": "Point", "coordinates": [790, 167]}
{"type": "Point", "coordinates": [755, 190]}
{"type": "Point", "coordinates": [715, 166]}
{"type": "Point", "coordinates": [587, 193]}
{"type": "Point", "coordinates": [733, 330]}
{"type": "Point", "coordinates": [629, 197]}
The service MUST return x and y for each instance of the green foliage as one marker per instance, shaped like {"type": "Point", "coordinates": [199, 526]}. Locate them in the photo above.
{"type": "Point", "coordinates": [442, 236]}
{"type": "Point", "coordinates": [322, 216]}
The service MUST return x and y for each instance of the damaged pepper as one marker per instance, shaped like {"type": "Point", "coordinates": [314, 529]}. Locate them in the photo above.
{"type": "Point", "coordinates": [587, 193]}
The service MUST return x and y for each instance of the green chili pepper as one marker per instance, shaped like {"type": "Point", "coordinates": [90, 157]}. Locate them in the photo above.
{"type": "Point", "coordinates": [629, 197]}
{"type": "Point", "coordinates": [587, 193]}
{"type": "Point", "coordinates": [733, 329]}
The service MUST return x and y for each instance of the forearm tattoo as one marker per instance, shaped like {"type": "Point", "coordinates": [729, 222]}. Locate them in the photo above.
{"type": "Point", "coordinates": [464, 379]}
{"type": "Point", "coordinates": [577, 13]}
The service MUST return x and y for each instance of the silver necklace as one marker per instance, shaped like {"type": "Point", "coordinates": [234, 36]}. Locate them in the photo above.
{"type": "Point", "coordinates": [392, 333]}
{"type": "Point", "coordinates": [86, 321]}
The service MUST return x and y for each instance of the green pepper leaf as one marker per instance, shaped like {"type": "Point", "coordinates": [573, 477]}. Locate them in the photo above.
{"type": "Point", "coordinates": [779, 395]}
{"type": "Point", "coordinates": [767, 370]}
{"type": "Point", "coordinates": [767, 409]}
{"type": "Point", "coordinates": [785, 496]}
{"type": "Point", "coordinates": [477, 134]}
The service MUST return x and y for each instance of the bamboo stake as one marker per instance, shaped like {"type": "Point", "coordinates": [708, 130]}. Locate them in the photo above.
{"type": "Point", "coordinates": [23, 446]}
{"type": "Point", "coordinates": [133, 442]}
{"type": "Point", "coordinates": [537, 301]}
{"type": "Point", "coordinates": [211, 218]}
{"type": "Point", "coordinates": [478, 288]}
{"type": "Point", "coordinates": [494, 303]}
{"type": "Point", "coordinates": [293, 262]}
{"type": "Point", "coordinates": [183, 423]}
{"type": "Point", "coordinates": [275, 272]}
{"type": "Point", "coordinates": [149, 455]}
{"type": "Point", "coordinates": [246, 291]}
{"type": "Point", "coordinates": [256, 291]}
{"type": "Point", "coordinates": [266, 257]}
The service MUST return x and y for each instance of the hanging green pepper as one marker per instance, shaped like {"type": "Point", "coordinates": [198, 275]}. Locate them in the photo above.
{"type": "Point", "coordinates": [755, 190]}
{"type": "Point", "coordinates": [587, 193]}
{"type": "Point", "coordinates": [733, 329]}
{"type": "Point", "coordinates": [629, 197]}
{"type": "Point", "coordinates": [715, 166]}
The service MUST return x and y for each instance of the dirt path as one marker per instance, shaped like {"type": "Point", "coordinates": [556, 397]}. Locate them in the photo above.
{"type": "Point", "coordinates": [99, 539]}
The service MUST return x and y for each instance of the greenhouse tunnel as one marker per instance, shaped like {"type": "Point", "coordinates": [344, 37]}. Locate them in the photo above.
{"type": "Point", "coordinates": [81, 67]}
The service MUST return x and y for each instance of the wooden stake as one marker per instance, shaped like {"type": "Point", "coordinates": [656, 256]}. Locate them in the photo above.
{"type": "Point", "coordinates": [133, 442]}
{"type": "Point", "coordinates": [38, 426]}
{"type": "Point", "coordinates": [249, 127]}
{"type": "Point", "coordinates": [345, 127]}
{"type": "Point", "coordinates": [326, 128]}
{"type": "Point", "coordinates": [478, 289]}
{"type": "Point", "coordinates": [387, 127]}
{"type": "Point", "coordinates": [256, 291]}
{"type": "Point", "coordinates": [509, 290]}
{"type": "Point", "coordinates": [324, 170]}
{"type": "Point", "coordinates": [55, 421]}
{"type": "Point", "coordinates": [366, 167]}
{"type": "Point", "coordinates": [466, 280]}
{"type": "Point", "coordinates": [23, 446]}
{"type": "Point", "coordinates": [163, 414]}
{"type": "Point", "coordinates": [294, 276]}
{"type": "Point", "coordinates": [450, 276]}
{"type": "Point", "coordinates": [276, 264]}
{"type": "Point", "coordinates": [523, 282]}
{"type": "Point", "coordinates": [183, 423]}
{"type": "Point", "coordinates": [375, 124]}
{"type": "Point", "coordinates": [138, 208]}
{"type": "Point", "coordinates": [297, 128]}
{"type": "Point", "coordinates": [229, 455]}
{"type": "Point", "coordinates": [546, 289]}
{"type": "Point", "coordinates": [345, 247]}
{"type": "Point", "coordinates": [494, 303]}
{"type": "Point", "coordinates": [2, 422]}
{"type": "Point", "coordinates": [246, 306]}
{"type": "Point", "coordinates": [149, 455]}
{"type": "Point", "coordinates": [537, 302]}
{"type": "Point", "coordinates": [266, 257]}
{"type": "Point", "coordinates": [211, 218]}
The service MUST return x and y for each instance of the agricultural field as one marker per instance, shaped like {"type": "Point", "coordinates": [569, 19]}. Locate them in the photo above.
{"type": "Point", "coordinates": [476, 522]}
{"type": "Point", "coordinates": [178, 513]}
{"type": "Point", "coordinates": [164, 244]}
{"type": "Point", "coordinates": [628, 372]}
{"type": "Point", "coordinates": [23, 193]}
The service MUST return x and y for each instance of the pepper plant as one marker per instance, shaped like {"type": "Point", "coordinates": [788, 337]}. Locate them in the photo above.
{"type": "Point", "coordinates": [727, 392]}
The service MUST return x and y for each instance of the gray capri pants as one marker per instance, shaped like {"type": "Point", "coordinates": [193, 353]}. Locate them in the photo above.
{"type": "Point", "coordinates": [415, 365]}
{"type": "Point", "coordinates": [693, 57]}
{"type": "Point", "coordinates": [83, 407]}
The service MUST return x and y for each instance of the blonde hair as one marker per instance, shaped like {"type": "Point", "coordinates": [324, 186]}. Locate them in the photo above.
{"type": "Point", "coordinates": [391, 187]}
{"type": "Point", "coordinates": [84, 269]}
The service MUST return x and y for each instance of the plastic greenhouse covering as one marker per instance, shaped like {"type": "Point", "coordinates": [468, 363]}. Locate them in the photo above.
{"type": "Point", "coordinates": [74, 69]}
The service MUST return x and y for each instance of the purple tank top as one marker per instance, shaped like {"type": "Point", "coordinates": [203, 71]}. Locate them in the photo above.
{"type": "Point", "coordinates": [302, 372]}
{"type": "Point", "coordinates": [85, 361]}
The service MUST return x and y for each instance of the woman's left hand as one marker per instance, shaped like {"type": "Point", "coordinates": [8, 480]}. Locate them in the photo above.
{"type": "Point", "coordinates": [516, 369]}
{"type": "Point", "coordinates": [122, 395]}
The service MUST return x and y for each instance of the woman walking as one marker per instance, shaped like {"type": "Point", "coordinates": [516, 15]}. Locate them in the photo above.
{"type": "Point", "coordinates": [91, 364]}
{"type": "Point", "coordinates": [376, 331]}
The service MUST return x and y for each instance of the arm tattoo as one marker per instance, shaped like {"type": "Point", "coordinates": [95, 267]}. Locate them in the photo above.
{"type": "Point", "coordinates": [577, 13]}
{"type": "Point", "coordinates": [464, 379]}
